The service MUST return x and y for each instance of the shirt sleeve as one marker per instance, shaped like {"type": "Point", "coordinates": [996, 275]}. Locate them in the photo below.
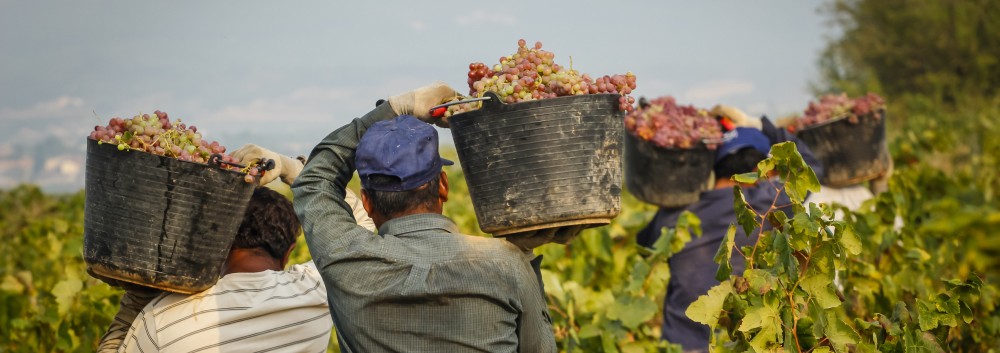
{"type": "Point", "coordinates": [129, 308]}
{"type": "Point", "coordinates": [320, 190]}
{"type": "Point", "coordinates": [534, 326]}
{"type": "Point", "coordinates": [142, 336]}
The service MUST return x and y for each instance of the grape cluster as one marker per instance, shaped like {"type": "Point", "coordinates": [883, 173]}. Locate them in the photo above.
{"type": "Point", "coordinates": [836, 106]}
{"type": "Point", "coordinates": [668, 125]}
{"type": "Point", "coordinates": [156, 134]}
{"type": "Point", "coordinates": [531, 73]}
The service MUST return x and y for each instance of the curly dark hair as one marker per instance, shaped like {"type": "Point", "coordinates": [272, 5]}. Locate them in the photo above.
{"type": "Point", "coordinates": [269, 224]}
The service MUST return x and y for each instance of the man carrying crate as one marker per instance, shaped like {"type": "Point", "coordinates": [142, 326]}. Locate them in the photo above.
{"type": "Point", "coordinates": [692, 270]}
{"type": "Point", "coordinates": [257, 305]}
{"type": "Point", "coordinates": [418, 285]}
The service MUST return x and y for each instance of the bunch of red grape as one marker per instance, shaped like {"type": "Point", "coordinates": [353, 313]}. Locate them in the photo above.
{"type": "Point", "coordinates": [668, 125]}
{"type": "Point", "coordinates": [531, 73]}
{"type": "Point", "coordinates": [156, 134]}
{"type": "Point", "coordinates": [838, 106]}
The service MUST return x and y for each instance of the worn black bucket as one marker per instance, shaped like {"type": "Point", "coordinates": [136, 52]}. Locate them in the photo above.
{"type": "Point", "coordinates": [851, 152]}
{"type": "Point", "coordinates": [158, 221]}
{"type": "Point", "coordinates": [663, 176]}
{"type": "Point", "coordinates": [542, 164]}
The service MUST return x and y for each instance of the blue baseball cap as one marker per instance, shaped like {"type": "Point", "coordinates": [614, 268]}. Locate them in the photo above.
{"type": "Point", "coordinates": [740, 138]}
{"type": "Point", "coordinates": [405, 148]}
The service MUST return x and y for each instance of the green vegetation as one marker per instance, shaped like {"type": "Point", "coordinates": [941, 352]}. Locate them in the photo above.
{"type": "Point", "coordinates": [915, 271]}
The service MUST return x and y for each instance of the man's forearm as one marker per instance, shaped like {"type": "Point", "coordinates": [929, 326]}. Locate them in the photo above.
{"type": "Point", "coordinates": [327, 220]}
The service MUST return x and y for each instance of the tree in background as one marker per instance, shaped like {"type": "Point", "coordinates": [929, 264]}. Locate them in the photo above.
{"type": "Point", "coordinates": [941, 49]}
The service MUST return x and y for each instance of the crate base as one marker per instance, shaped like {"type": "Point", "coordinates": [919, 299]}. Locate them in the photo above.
{"type": "Point", "coordinates": [180, 285]}
{"type": "Point", "coordinates": [587, 223]}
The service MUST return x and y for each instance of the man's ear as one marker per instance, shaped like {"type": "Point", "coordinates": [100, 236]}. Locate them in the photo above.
{"type": "Point", "coordinates": [443, 187]}
{"type": "Point", "coordinates": [366, 201]}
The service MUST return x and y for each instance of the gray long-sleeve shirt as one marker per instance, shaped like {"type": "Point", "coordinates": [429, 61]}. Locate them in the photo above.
{"type": "Point", "coordinates": [418, 285]}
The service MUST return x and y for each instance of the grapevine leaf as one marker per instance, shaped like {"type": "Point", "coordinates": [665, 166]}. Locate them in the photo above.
{"type": "Point", "coordinates": [590, 330]}
{"type": "Point", "coordinates": [11, 284]}
{"type": "Point", "coordinates": [760, 315]}
{"type": "Point", "coordinates": [804, 228]}
{"type": "Point", "coordinates": [767, 318]}
{"type": "Point", "coordinates": [746, 178]}
{"type": "Point", "coordinates": [819, 287]}
{"type": "Point", "coordinates": [639, 272]}
{"type": "Point", "coordinates": [848, 238]}
{"type": "Point", "coordinates": [745, 215]}
{"type": "Point", "coordinates": [707, 308]}
{"type": "Point", "coordinates": [799, 178]}
{"type": "Point", "coordinates": [632, 311]}
{"type": "Point", "coordinates": [65, 292]}
{"type": "Point", "coordinates": [928, 316]}
{"type": "Point", "coordinates": [786, 261]}
{"type": "Point", "coordinates": [725, 253]}
{"type": "Point", "coordinates": [840, 334]}
{"type": "Point", "coordinates": [760, 281]}
{"type": "Point", "coordinates": [689, 223]}
{"type": "Point", "coordinates": [918, 342]}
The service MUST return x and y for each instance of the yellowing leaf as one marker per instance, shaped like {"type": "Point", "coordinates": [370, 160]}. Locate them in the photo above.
{"type": "Point", "coordinates": [725, 253]}
{"type": "Point", "coordinates": [819, 288]}
{"type": "Point", "coordinates": [65, 292]}
{"type": "Point", "coordinates": [706, 308]}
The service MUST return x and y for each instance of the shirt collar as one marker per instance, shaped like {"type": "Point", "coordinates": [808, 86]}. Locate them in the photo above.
{"type": "Point", "coordinates": [418, 222]}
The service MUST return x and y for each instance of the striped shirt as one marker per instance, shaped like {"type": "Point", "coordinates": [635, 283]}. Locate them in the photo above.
{"type": "Point", "coordinates": [268, 311]}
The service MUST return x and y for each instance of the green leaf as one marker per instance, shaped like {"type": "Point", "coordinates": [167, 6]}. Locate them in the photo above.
{"type": "Point", "coordinates": [632, 311]}
{"type": "Point", "coordinates": [724, 254]}
{"type": "Point", "coordinates": [786, 261]}
{"type": "Point", "coordinates": [760, 281]}
{"type": "Point", "coordinates": [848, 238]}
{"type": "Point", "coordinates": [746, 178]}
{"type": "Point", "coordinates": [840, 334]}
{"type": "Point", "coordinates": [928, 315]}
{"type": "Point", "coordinates": [767, 318]}
{"type": "Point", "coordinates": [638, 277]}
{"type": "Point", "coordinates": [65, 292]}
{"type": "Point", "coordinates": [707, 308]}
{"type": "Point", "coordinates": [745, 215]}
{"type": "Point", "coordinates": [799, 178]}
{"type": "Point", "coordinates": [804, 229]}
{"type": "Point", "coordinates": [820, 288]}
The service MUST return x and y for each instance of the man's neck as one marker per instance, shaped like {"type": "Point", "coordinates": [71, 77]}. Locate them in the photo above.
{"type": "Point", "coordinates": [250, 260]}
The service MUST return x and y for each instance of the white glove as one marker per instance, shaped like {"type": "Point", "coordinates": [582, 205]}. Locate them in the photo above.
{"type": "Point", "coordinates": [285, 167]}
{"type": "Point", "coordinates": [360, 215]}
{"type": "Point", "coordinates": [418, 102]}
{"type": "Point", "coordinates": [738, 117]}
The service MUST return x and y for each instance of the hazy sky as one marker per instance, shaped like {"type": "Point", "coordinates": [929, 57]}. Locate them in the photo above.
{"type": "Point", "coordinates": [283, 74]}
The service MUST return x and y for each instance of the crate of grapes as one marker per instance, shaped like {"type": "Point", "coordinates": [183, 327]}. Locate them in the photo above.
{"type": "Point", "coordinates": [157, 220]}
{"type": "Point", "coordinates": [540, 143]}
{"type": "Point", "coordinates": [847, 136]}
{"type": "Point", "coordinates": [669, 151]}
{"type": "Point", "coordinates": [542, 164]}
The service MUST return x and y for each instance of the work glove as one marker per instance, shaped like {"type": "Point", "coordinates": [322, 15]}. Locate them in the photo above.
{"type": "Point", "coordinates": [533, 239]}
{"type": "Point", "coordinates": [738, 117]}
{"type": "Point", "coordinates": [285, 167]}
{"type": "Point", "coordinates": [418, 102]}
